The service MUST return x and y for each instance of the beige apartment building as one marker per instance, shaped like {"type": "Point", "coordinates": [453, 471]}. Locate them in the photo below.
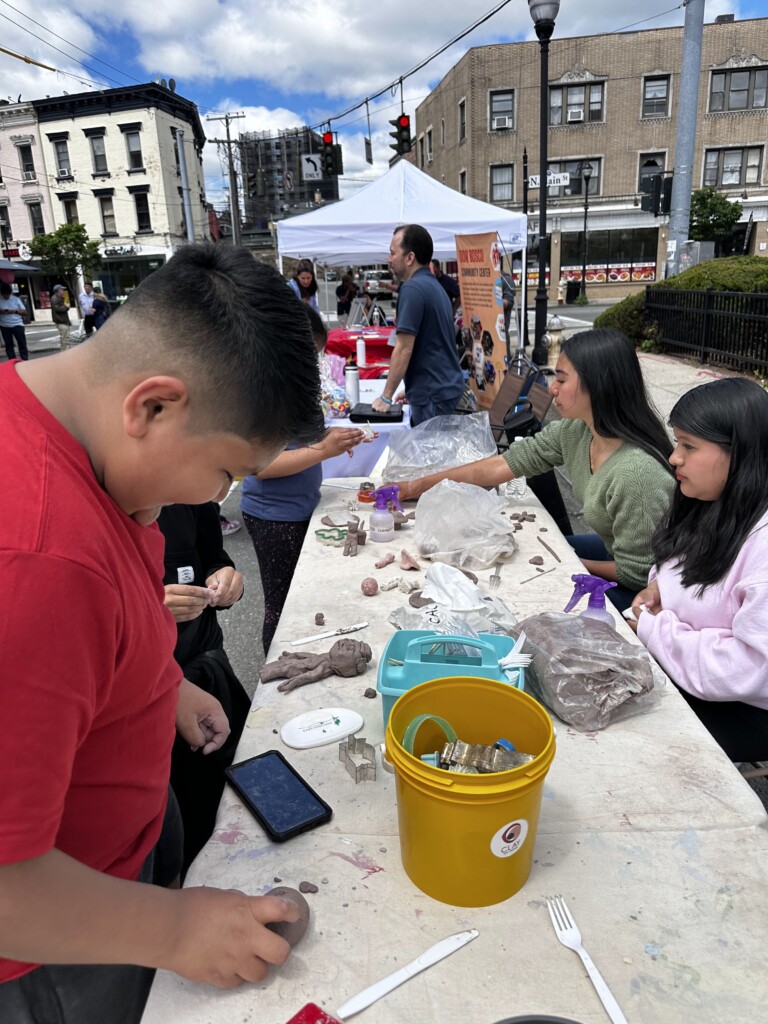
{"type": "Point", "coordinates": [612, 105]}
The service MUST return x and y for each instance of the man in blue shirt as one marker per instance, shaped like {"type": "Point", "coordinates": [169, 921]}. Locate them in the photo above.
{"type": "Point", "coordinates": [425, 356]}
{"type": "Point", "coordinates": [11, 323]}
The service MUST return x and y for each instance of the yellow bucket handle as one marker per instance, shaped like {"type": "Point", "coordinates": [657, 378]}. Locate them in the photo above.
{"type": "Point", "coordinates": [410, 733]}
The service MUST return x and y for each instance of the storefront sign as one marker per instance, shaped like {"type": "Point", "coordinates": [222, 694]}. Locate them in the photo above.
{"type": "Point", "coordinates": [120, 250]}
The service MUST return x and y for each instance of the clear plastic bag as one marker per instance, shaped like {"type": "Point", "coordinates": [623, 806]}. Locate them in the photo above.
{"type": "Point", "coordinates": [460, 607]}
{"type": "Point", "coordinates": [585, 672]}
{"type": "Point", "coordinates": [437, 444]}
{"type": "Point", "coordinates": [463, 525]}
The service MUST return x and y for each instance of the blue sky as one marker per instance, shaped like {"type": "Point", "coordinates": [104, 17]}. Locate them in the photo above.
{"type": "Point", "coordinates": [283, 63]}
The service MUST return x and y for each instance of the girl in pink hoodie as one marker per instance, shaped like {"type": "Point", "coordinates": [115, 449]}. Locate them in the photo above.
{"type": "Point", "coordinates": [704, 614]}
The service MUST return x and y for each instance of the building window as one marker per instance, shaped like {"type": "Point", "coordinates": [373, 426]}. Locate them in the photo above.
{"type": "Point", "coordinates": [463, 182]}
{"type": "Point", "coordinates": [651, 164]}
{"type": "Point", "coordinates": [99, 155]}
{"type": "Point", "coordinates": [501, 110]}
{"type": "Point", "coordinates": [732, 167]}
{"type": "Point", "coordinates": [501, 183]}
{"type": "Point", "coordinates": [421, 151]}
{"type": "Point", "coordinates": [442, 131]}
{"type": "Point", "coordinates": [5, 224]}
{"type": "Point", "coordinates": [69, 206]}
{"type": "Point", "coordinates": [429, 146]}
{"type": "Point", "coordinates": [176, 152]}
{"type": "Point", "coordinates": [656, 97]}
{"type": "Point", "coordinates": [108, 222]}
{"type": "Point", "coordinates": [143, 219]}
{"type": "Point", "coordinates": [462, 120]}
{"type": "Point", "coordinates": [36, 218]}
{"type": "Point", "coordinates": [576, 186]}
{"type": "Point", "coordinates": [63, 166]}
{"type": "Point", "coordinates": [613, 257]}
{"type": "Point", "coordinates": [739, 90]}
{"type": "Point", "coordinates": [576, 104]}
{"type": "Point", "coordinates": [27, 162]}
{"type": "Point", "coordinates": [133, 145]}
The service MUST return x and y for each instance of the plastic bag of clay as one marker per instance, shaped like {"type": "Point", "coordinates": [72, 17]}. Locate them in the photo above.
{"type": "Point", "coordinates": [439, 443]}
{"type": "Point", "coordinates": [459, 606]}
{"type": "Point", "coordinates": [585, 672]}
{"type": "Point", "coordinates": [463, 525]}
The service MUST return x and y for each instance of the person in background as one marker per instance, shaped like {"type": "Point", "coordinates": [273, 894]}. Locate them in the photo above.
{"type": "Point", "coordinates": [86, 305]}
{"type": "Point", "coordinates": [425, 355]}
{"type": "Point", "coordinates": [96, 442]}
{"type": "Point", "coordinates": [345, 293]}
{"type": "Point", "coordinates": [101, 308]}
{"type": "Point", "coordinates": [304, 283]}
{"type": "Point", "coordinates": [60, 315]}
{"type": "Point", "coordinates": [200, 580]}
{"type": "Point", "coordinates": [507, 300]}
{"type": "Point", "coordinates": [615, 449]}
{"type": "Point", "coordinates": [447, 283]}
{"type": "Point", "coordinates": [369, 305]}
{"type": "Point", "coordinates": [703, 615]}
{"type": "Point", "coordinates": [11, 323]}
{"type": "Point", "coordinates": [278, 503]}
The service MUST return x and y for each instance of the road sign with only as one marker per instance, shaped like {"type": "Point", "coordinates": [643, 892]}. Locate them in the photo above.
{"type": "Point", "coordinates": [311, 167]}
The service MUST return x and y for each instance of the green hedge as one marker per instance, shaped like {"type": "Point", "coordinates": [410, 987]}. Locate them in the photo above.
{"type": "Point", "coordinates": [733, 274]}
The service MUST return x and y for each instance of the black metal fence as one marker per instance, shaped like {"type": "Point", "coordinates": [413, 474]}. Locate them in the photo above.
{"type": "Point", "coordinates": [728, 328]}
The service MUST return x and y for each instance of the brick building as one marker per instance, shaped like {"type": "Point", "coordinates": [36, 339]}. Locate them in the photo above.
{"type": "Point", "coordinates": [612, 104]}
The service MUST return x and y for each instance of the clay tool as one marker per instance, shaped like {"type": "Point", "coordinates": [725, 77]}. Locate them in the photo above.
{"type": "Point", "coordinates": [538, 577]}
{"type": "Point", "coordinates": [549, 549]}
{"type": "Point", "coordinates": [340, 487]}
{"type": "Point", "coordinates": [332, 632]}
{"type": "Point", "coordinates": [312, 1014]}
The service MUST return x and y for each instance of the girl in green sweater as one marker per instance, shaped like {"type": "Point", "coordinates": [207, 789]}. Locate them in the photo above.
{"type": "Point", "coordinates": [615, 449]}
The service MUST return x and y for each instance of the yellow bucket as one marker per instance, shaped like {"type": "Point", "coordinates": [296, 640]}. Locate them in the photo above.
{"type": "Point", "coordinates": [468, 840]}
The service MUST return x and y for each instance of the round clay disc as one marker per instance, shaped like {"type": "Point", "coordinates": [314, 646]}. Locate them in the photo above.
{"type": "Point", "coordinates": [291, 931]}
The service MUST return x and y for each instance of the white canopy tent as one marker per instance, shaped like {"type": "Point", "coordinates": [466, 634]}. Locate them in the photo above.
{"type": "Point", "coordinates": [359, 229]}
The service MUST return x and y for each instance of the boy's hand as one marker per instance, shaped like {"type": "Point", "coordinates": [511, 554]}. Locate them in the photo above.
{"type": "Point", "coordinates": [338, 440]}
{"type": "Point", "coordinates": [200, 718]}
{"type": "Point", "coordinates": [227, 586]}
{"type": "Point", "coordinates": [185, 602]}
{"type": "Point", "coordinates": [221, 936]}
{"type": "Point", "coordinates": [648, 600]}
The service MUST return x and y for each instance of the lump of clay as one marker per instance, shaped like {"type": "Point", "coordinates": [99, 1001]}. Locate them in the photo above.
{"type": "Point", "coordinates": [370, 693]}
{"type": "Point", "coordinates": [369, 586]}
{"type": "Point", "coordinates": [386, 560]}
{"type": "Point", "coordinates": [291, 931]}
{"type": "Point", "coordinates": [307, 887]}
{"type": "Point", "coordinates": [407, 561]}
{"type": "Point", "coordinates": [536, 560]}
{"type": "Point", "coordinates": [391, 584]}
{"type": "Point", "coordinates": [319, 619]}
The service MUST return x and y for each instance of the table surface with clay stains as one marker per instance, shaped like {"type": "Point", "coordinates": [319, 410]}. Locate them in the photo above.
{"type": "Point", "coordinates": [648, 831]}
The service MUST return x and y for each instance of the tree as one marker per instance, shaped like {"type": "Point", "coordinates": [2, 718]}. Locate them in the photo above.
{"type": "Point", "coordinates": [66, 252]}
{"type": "Point", "coordinates": [713, 218]}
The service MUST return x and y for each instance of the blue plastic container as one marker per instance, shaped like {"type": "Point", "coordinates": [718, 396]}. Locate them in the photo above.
{"type": "Point", "coordinates": [420, 655]}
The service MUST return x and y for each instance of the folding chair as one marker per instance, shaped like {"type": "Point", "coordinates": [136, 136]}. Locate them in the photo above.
{"type": "Point", "coordinates": [505, 403]}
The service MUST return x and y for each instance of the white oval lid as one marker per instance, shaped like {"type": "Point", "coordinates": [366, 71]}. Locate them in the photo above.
{"type": "Point", "coordinates": [324, 725]}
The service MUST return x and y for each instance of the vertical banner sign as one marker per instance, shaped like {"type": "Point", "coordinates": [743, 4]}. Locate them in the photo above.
{"type": "Point", "coordinates": [482, 314]}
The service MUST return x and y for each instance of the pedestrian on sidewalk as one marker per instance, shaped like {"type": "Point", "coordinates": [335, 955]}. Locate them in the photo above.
{"type": "Point", "coordinates": [60, 315]}
{"type": "Point", "coordinates": [86, 305]}
{"type": "Point", "coordinates": [11, 323]}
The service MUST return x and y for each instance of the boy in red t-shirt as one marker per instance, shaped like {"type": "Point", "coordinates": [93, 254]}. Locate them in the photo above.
{"type": "Point", "coordinates": [179, 392]}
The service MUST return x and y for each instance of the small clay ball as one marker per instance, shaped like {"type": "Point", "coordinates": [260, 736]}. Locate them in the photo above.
{"type": "Point", "coordinates": [542, 529]}
{"type": "Point", "coordinates": [319, 619]}
{"type": "Point", "coordinates": [536, 560]}
{"type": "Point", "coordinates": [291, 931]}
{"type": "Point", "coordinates": [370, 693]}
{"type": "Point", "coordinates": [307, 887]}
{"type": "Point", "coordinates": [369, 586]}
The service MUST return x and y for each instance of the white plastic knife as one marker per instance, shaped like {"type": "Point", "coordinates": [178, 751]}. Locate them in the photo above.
{"type": "Point", "coordinates": [434, 954]}
{"type": "Point", "coordinates": [332, 632]}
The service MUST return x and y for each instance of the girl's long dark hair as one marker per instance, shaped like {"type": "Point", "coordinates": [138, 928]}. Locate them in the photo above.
{"type": "Point", "coordinates": [609, 371]}
{"type": "Point", "coordinates": [704, 537]}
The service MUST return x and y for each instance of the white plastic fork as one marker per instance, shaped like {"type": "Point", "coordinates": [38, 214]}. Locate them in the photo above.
{"type": "Point", "coordinates": [495, 581]}
{"type": "Point", "coordinates": [570, 936]}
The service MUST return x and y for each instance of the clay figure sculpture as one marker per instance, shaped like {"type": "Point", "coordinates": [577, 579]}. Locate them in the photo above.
{"type": "Point", "coordinates": [346, 658]}
{"type": "Point", "coordinates": [291, 931]}
{"type": "Point", "coordinates": [401, 518]}
{"type": "Point", "coordinates": [355, 536]}
{"type": "Point", "coordinates": [386, 560]}
{"type": "Point", "coordinates": [369, 586]}
{"type": "Point", "coordinates": [407, 561]}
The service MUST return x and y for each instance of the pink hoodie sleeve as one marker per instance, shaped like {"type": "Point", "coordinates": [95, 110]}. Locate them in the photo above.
{"type": "Point", "coordinates": [721, 663]}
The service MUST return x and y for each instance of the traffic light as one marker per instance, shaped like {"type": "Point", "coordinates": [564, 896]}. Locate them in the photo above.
{"type": "Point", "coordinates": [257, 183]}
{"type": "Point", "coordinates": [666, 195]}
{"type": "Point", "coordinates": [401, 134]}
{"type": "Point", "coordinates": [338, 163]}
{"type": "Point", "coordinates": [651, 200]}
{"type": "Point", "coordinates": [329, 156]}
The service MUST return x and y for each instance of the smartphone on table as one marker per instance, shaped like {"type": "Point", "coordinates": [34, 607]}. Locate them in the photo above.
{"type": "Point", "coordinates": [277, 796]}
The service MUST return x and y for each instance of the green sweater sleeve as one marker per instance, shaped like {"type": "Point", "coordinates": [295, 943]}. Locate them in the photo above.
{"type": "Point", "coordinates": [539, 453]}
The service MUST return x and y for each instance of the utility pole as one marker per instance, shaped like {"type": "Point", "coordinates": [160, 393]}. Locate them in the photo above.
{"type": "Point", "coordinates": [685, 137]}
{"type": "Point", "coordinates": [234, 205]}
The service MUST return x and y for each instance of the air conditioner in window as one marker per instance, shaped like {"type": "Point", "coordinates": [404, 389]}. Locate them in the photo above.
{"type": "Point", "coordinates": [30, 175]}
{"type": "Point", "coordinates": [64, 172]}
{"type": "Point", "coordinates": [501, 122]}
{"type": "Point", "coordinates": [575, 114]}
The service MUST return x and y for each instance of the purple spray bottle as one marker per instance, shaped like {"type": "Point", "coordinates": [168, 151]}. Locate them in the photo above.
{"type": "Point", "coordinates": [382, 523]}
{"type": "Point", "coordinates": [596, 588]}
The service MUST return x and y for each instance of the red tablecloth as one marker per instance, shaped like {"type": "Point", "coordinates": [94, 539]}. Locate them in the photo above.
{"type": "Point", "coordinates": [378, 353]}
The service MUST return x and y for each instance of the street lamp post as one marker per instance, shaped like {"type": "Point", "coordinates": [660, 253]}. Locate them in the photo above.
{"type": "Point", "coordinates": [586, 174]}
{"type": "Point", "coordinates": [544, 13]}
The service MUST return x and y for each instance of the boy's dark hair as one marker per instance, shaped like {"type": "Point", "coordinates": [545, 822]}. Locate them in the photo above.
{"type": "Point", "coordinates": [609, 371]}
{"type": "Point", "coordinates": [704, 537]}
{"type": "Point", "coordinates": [230, 328]}
{"type": "Point", "coordinates": [317, 326]}
{"type": "Point", "coordinates": [417, 240]}
{"type": "Point", "coordinates": [5, 290]}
